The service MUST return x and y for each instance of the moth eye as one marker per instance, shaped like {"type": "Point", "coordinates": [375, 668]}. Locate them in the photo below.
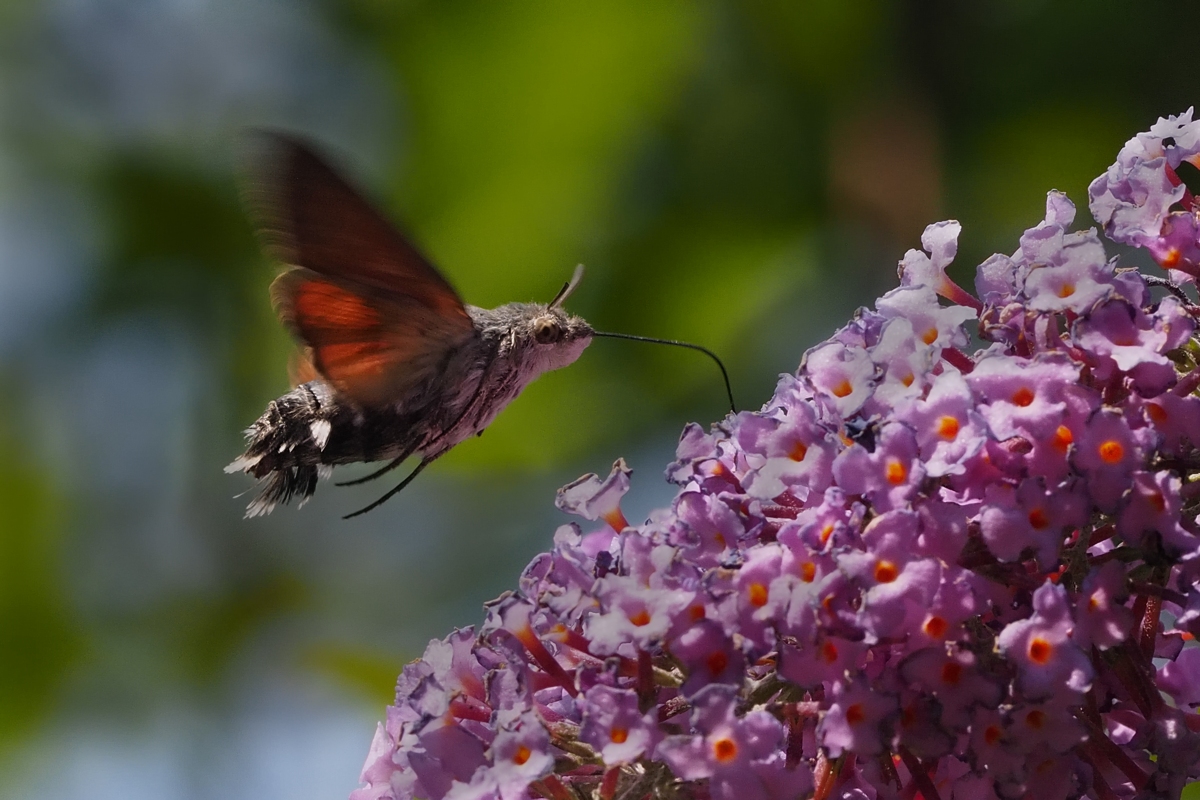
{"type": "Point", "coordinates": [546, 331]}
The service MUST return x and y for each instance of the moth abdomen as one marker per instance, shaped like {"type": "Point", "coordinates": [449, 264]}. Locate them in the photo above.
{"type": "Point", "coordinates": [284, 448]}
{"type": "Point", "coordinates": [302, 435]}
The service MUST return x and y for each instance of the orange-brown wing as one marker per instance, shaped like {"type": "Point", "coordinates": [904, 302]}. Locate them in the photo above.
{"type": "Point", "coordinates": [373, 347]}
{"type": "Point", "coordinates": [300, 367]}
{"type": "Point", "coordinates": [377, 317]}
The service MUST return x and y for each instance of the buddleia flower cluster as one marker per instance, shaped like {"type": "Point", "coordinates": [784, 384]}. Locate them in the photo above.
{"type": "Point", "coordinates": [930, 566]}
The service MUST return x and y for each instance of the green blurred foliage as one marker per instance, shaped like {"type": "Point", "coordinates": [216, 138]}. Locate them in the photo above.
{"type": "Point", "coordinates": [178, 244]}
{"type": "Point", "coordinates": [520, 118]}
{"type": "Point", "coordinates": [39, 640]}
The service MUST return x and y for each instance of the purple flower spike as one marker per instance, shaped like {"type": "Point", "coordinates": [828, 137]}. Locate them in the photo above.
{"type": "Point", "coordinates": [739, 755]}
{"type": "Point", "coordinates": [593, 498]}
{"type": "Point", "coordinates": [916, 571]}
{"type": "Point", "coordinates": [1047, 660]}
{"type": "Point", "coordinates": [858, 719]}
{"type": "Point", "coordinates": [615, 728]}
{"type": "Point", "coordinates": [1142, 201]}
{"type": "Point", "coordinates": [940, 241]}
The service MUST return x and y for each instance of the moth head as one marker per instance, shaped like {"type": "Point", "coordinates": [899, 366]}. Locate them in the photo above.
{"type": "Point", "coordinates": [557, 336]}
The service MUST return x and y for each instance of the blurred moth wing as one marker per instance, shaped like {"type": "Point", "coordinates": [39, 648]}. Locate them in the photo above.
{"type": "Point", "coordinates": [376, 318]}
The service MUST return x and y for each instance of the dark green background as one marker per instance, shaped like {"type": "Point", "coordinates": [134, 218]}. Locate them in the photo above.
{"type": "Point", "coordinates": [741, 175]}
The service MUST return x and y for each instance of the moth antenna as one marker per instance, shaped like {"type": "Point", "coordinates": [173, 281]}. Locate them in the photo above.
{"type": "Point", "coordinates": [689, 345]}
{"type": "Point", "coordinates": [568, 287]}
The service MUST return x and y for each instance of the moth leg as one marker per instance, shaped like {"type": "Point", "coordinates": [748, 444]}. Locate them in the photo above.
{"type": "Point", "coordinates": [379, 473]}
{"type": "Point", "coordinates": [425, 462]}
{"type": "Point", "coordinates": [428, 459]}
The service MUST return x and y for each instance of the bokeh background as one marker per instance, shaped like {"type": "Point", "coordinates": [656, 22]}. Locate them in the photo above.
{"type": "Point", "coordinates": [738, 174]}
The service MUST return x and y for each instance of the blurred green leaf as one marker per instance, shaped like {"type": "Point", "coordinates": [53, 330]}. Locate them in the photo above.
{"type": "Point", "coordinates": [829, 45]}
{"type": "Point", "coordinates": [1011, 166]}
{"type": "Point", "coordinates": [204, 633]}
{"type": "Point", "coordinates": [522, 119]}
{"type": "Point", "coordinates": [368, 673]}
{"type": "Point", "coordinates": [39, 642]}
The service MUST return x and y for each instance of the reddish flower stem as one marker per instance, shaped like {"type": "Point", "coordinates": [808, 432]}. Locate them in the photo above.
{"type": "Point", "coordinates": [673, 707]}
{"type": "Point", "coordinates": [960, 360]}
{"type": "Point", "coordinates": [1129, 669]}
{"type": "Point", "coordinates": [794, 750]}
{"type": "Point", "coordinates": [824, 777]}
{"type": "Point", "coordinates": [646, 690]}
{"type": "Point", "coordinates": [545, 660]}
{"type": "Point", "coordinates": [888, 767]}
{"type": "Point", "coordinates": [1187, 384]}
{"type": "Point", "coordinates": [1154, 590]}
{"type": "Point", "coordinates": [1102, 746]}
{"type": "Point", "coordinates": [1101, 534]}
{"type": "Point", "coordinates": [920, 777]}
{"type": "Point", "coordinates": [1150, 623]}
{"type": "Point", "coordinates": [608, 784]}
{"type": "Point", "coordinates": [552, 788]}
{"type": "Point", "coordinates": [1099, 785]}
{"type": "Point", "coordinates": [956, 294]}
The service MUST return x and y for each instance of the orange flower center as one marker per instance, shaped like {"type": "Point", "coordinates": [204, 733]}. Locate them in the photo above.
{"type": "Point", "coordinates": [808, 570]}
{"type": "Point", "coordinates": [640, 618]}
{"type": "Point", "coordinates": [618, 735]}
{"type": "Point", "coordinates": [1171, 257]}
{"type": "Point", "coordinates": [1035, 718]}
{"type": "Point", "coordinates": [1040, 650]}
{"type": "Point", "coordinates": [1156, 413]}
{"type": "Point", "coordinates": [798, 451]}
{"type": "Point", "coordinates": [829, 652]}
{"type": "Point", "coordinates": [1063, 437]}
{"type": "Point", "coordinates": [724, 750]}
{"type": "Point", "coordinates": [1111, 452]}
{"type": "Point", "coordinates": [1157, 501]}
{"type": "Point", "coordinates": [842, 389]}
{"type": "Point", "coordinates": [855, 714]}
{"type": "Point", "coordinates": [757, 594]}
{"type": "Point", "coordinates": [930, 336]}
{"type": "Point", "coordinates": [1022, 397]}
{"type": "Point", "coordinates": [885, 571]}
{"type": "Point", "coordinates": [696, 612]}
{"type": "Point", "coordinates": [1038, 519]}
{"type": "Point", "coordinates": [896, 472]}
{"type": "Point", "coordinates": [991, 734]}
{"type": "Point", "coordinates": [522, 755]}
{"type": "Point", "coordinates": [717, 662]}
{"type": "Point", "coordinates": [935, 627]}
{"type": "Point", "coordinates": [1066, 290]}
{"type": "Point", "coordinates": [947, 427]}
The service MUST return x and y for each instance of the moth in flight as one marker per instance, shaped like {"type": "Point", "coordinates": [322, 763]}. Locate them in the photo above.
{"type": "Point", "coordinates": [393, 363]}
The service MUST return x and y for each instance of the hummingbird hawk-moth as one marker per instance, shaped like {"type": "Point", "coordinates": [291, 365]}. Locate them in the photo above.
{"type": "Point", "coordinates": [393, 363]}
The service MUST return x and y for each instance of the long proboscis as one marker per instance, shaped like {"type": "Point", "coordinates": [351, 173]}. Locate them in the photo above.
{"type": "Point", "coordinates": [689, 345]}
